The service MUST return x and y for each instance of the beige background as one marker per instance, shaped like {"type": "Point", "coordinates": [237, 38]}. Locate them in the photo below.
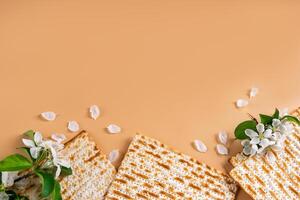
{"type": "Point", "coordinates": [167, 69]}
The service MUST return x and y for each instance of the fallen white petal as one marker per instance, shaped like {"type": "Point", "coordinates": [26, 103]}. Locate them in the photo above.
{"type": "Point", "coordinates": [270, 157]}
{"type": "Point", "coordinates": [114, 155]}
{"type": "Point", "coordinates": [221, 149]}
{"type": "Point", "coordinates": [49, 116]}
{"type": "Point", "coordinates": [73, 126]}
{"type": "Point", "coordinates": [113, 128]}
{"type": "Point", "coordinates": [94, 112]}
{"type": "Point", "coordinates": [223, 137]}
{"type": "Point", "coordinates": [58, 137]}
{"type": "Point", "coordinates": [200, 146]}
{"type": "Point", "coordinates": [253, 92]}
{"type": "Point", "coordinates": [241, 103]}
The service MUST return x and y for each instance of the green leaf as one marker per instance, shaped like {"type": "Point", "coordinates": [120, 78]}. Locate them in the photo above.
{"type": "Point", "coordinates": [56, 195]}
{"type": "Point", "coordinates": [239, 131]}
{"type": "Point", "coordinates": [276, 114]}
{"type": "Point", "coordinates": [15, 162]}
{"type": "Point", "coordinates": [47, 181]}
{"type": "Point", "coordinates": [29, 134]}
{"type": "Point", "coordinates": [291, 119]}
{"type": "Point", "coordinates": [265, 119]}
{"type": "Point", "coordinates": [66, 171]}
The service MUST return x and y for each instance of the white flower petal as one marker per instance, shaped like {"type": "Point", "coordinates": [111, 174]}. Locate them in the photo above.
{"type": "Point", "coordinates": [251, 133]}
{"type": "Point", "coordinates": [260, 150]}
{"type": "Point", "coordinates": [277, 147]}
{"type": "Point", "coordinates": [253, 92]}
{"type": "Point", "coordinates": [58, 137]}
{"type": "Point", "coordinates": [62, 162]}
{"type": "Point", "coordinates": [254, 149]}
{"type": "Point", "coordinates": [28, 143]}
{"type": "Point", "coordinates": [245, 142]}
{"type": "Point", "coordinates": [247, 150]}
{"type": "Point", "coordinates": [58, 170]}
{"type": "Point", "coordinates": [35, 151]}
{"type": "Point", "coordinates": [4, 196]}
{"type": "Point", "coordinates": [275, 136]}
{"type": "Point", "coordinates": [73, 126]}
{"type": "Point", "coordinates": [264, 143]}
{"type": "Point", "coordinates": [38, 138]}
{"type": "Point", "coordinates": [240, 103]}
{"type": "Point", "coordinates": [114, 155]}
{"type": "Point", "coordinates": [49, 116]}
{"type": "Point", "coordinates": [223, 137]}
{"type": "Point", "coordinates": [221, 149]}
{"type": "Point", "coordinates": [268, 133]}
{"type": "Point", "coordinates": [254, 140]}
{"type": "Point", "coordinates": [276, 123]}
{"type": "Point", "coordinates": [94, 112]}
{"type": "Point", "coordinates": [113, 128]}
{"type": "Point", "coordinates": [286, 128]}
{"type": "Point", "coordinates": [200, 146]}
{"type": "Point", "coordinates": [260, 127]}
{"type": "Point", "coordinates": [270, 157]}
{"type": "Point", "coordinates": [8, 178]}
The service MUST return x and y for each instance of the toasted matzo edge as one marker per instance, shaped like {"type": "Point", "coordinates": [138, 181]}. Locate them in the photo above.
{"type": "Point", "coordinates": [148, 162]}
{"type": "Point", "coordinates": [258, 171]}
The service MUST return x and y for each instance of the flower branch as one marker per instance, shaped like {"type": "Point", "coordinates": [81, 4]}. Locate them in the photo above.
{"type": "Point", "coordinates": [43, 160]}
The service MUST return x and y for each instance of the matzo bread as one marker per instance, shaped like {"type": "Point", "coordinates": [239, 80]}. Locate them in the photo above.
{"type": "Point", "coordinates": [277, 180]}
{"type": "Point", "coordinates": [151, 170]}
{"type": "Point", "coordinates": [239, 158]}
{"type": "Point", "coordinates": [92, 172]}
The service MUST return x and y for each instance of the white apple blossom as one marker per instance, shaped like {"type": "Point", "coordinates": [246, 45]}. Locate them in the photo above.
{"type": "Point", "coordinates": [58, 160]}
{"type": "Point", "coordinates": [267, 137]}
{"type": "Point", "coordinates": [8, 178]}
{"type": "Point", "coordinates": [34, 144]}
{"type": "Point", "coordinates": [37, 145]}
{"type": "Point", "coordinates": [261, 138]}
{"type": "Point", "coordinates": [282, 126]}
{"type": "Point", "coordinates": [248, 148]}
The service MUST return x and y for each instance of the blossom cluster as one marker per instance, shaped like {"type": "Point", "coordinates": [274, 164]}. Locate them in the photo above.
{"type": "Point", "coordinates": [47, 151]}
{"type": "Point", "coordinates": [267, 137]}
{"type": "Point", "coordinates": [54, 147]}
